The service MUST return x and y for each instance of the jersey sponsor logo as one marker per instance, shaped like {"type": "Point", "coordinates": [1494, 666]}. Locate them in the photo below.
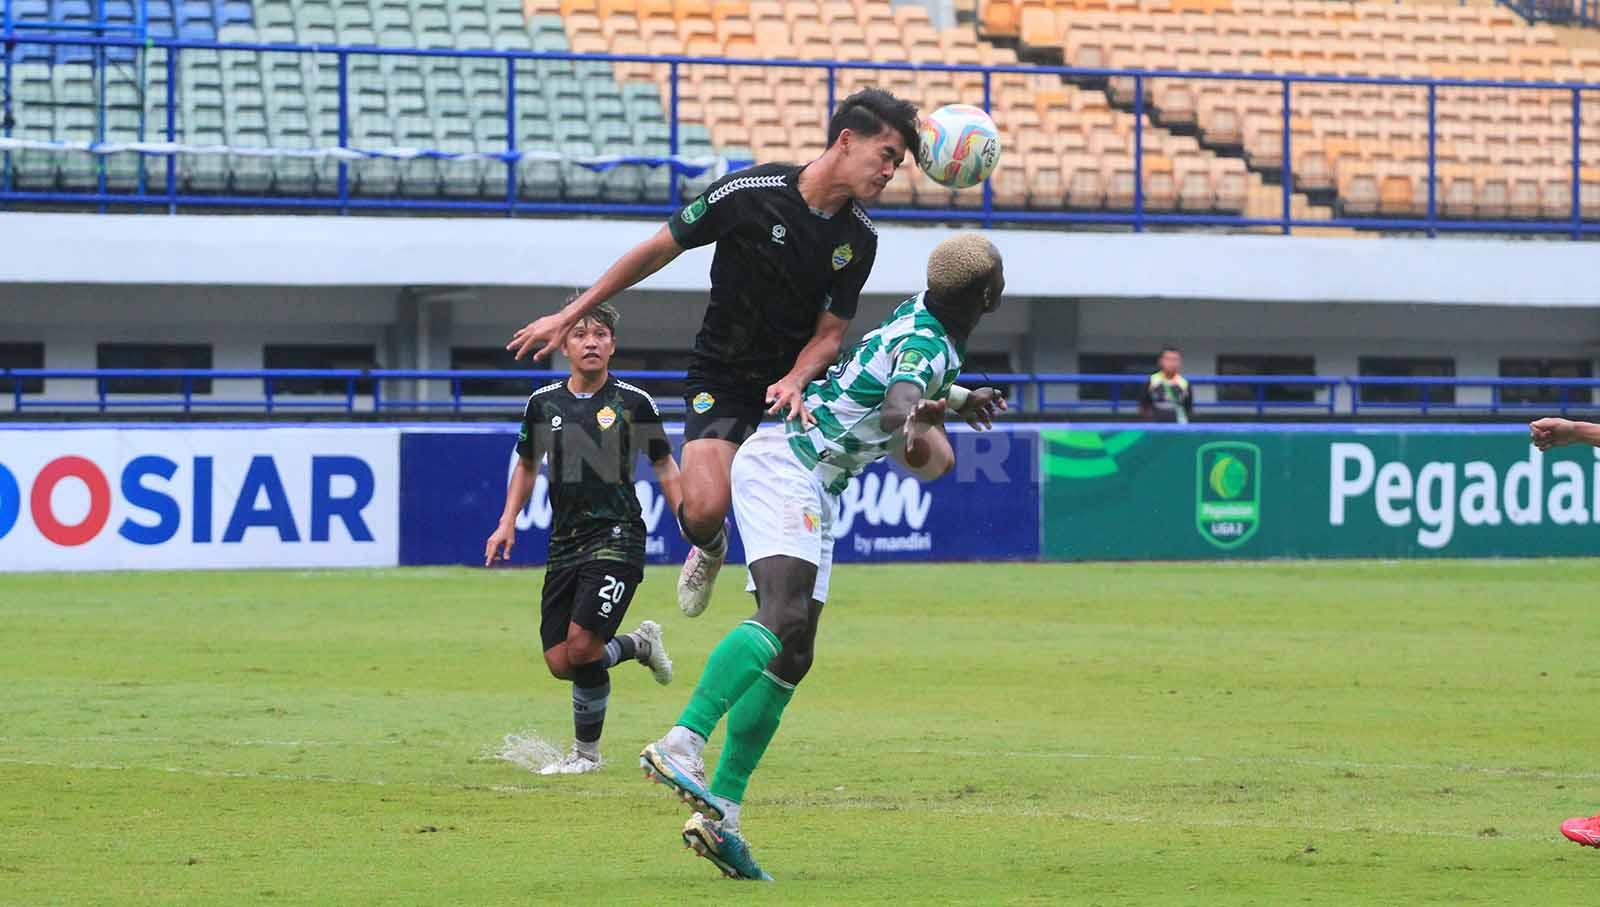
{"type": "Point", "coordinates": [779, 231]}
{"type": "Point", "coordinates": [910, 362]}
{"type": "Point", "coordinates": [842, 255]}
{"type": "Point", "coordinates": [703, 402]}
{"type": "Point", "coordinates": [522, 432]}
{"type": "Point", "coordinates": [695, 211]}
{"type": "Point", "coordinates": [1227, 492]}
{"type": "Point", "coordinates": [607, 417]}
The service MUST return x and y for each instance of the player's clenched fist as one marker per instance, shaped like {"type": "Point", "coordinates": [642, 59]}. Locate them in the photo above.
{"type": "Point", "coordinates": [1548, 433]}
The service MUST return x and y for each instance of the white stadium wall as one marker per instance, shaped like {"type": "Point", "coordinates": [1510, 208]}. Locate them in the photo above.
{"type": "Point", "coordinates": [413, 288]}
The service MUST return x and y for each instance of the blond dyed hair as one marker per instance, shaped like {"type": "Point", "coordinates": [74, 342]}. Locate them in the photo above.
{"type": "Point", "coordinates": [960, 263]}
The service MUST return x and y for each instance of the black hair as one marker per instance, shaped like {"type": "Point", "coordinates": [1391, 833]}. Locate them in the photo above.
{"type": "Point", "coordinates": [605, 314]}
{"type": "Point", "coordinates": [1169, 348]}
{"type": "Point", "coordinates": [870, 110]}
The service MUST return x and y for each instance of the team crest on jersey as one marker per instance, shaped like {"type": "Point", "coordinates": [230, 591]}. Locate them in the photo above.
{"type": "Point", "coordinates": [555, 423]}
{"type": "Point", "coordinates": [695, 211]}
{"type": "Point", "coordinates": [842, 256]}
{"type": "Point", "coordinates": [607, 417]}
{"type": "Point", "coordinates": [703, 402]}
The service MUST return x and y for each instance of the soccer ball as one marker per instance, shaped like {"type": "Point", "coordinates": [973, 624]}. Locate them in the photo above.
{"type": "Point", "coordinates": [960, 146]}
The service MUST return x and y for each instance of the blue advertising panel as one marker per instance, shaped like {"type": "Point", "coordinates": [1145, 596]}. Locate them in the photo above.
{"type": "Point", "coordinates": [453, 487]}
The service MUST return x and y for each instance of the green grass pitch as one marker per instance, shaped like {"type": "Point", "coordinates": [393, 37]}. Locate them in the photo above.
{"type": "Point", "coordinates": [1104, 734]}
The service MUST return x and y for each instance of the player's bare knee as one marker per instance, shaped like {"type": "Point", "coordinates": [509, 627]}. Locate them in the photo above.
{"type": "Point", "coordinates": [792, 665]}
{"type": "Point", "coordinates": [583, 646]}
{"type": "Point", "coordinates": [704, 514]}
{"type": "Point", "coordinates": [556, 660]}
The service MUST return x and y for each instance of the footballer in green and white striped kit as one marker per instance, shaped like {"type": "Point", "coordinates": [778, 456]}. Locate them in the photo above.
{"type": "Point", "coordinates": [847, 435]}
{"type": "Point", "coordinates": [887, 396]}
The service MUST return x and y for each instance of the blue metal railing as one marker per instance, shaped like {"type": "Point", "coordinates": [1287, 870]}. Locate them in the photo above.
{"type": "Point", "coordinates": [1558, 12]}
{"type": "Point", "coordinates": [1139, 218]}
{"type": "Point", "coordinates": [467, 391]}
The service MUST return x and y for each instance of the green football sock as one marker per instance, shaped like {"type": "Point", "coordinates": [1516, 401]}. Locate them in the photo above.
{"type": "Point", "coordinates": [751, 726]}
{"type": "Point", "coordinates": [734, 665]}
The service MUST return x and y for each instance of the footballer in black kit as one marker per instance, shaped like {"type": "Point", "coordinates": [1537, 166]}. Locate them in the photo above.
{"type": "Point", "coordinates": [591, 428]}
{"type": "Point", "coordinates": [794, 248]}
{"type": "Point", "coordinates": [779, 264]}
{"type": "Point", "coordinates": [597, 532]}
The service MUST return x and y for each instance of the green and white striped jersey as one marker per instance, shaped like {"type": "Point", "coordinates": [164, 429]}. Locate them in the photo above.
{"type": "Point", "coordinates": [911, 345]}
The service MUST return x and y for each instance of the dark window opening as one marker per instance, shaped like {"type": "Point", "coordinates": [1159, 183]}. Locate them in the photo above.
{"type": "Point", "coordinates": [154, 356]}
{"type": "Point", "coordinates": [1399, 367]}
{"type": "Point", "coordinates": [1235, 364]}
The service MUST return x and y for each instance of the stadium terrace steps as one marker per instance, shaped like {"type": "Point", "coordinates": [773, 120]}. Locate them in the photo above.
{"type": "Point", "coordinates": [1066, 147]}
{"type": "Point", "coordinates": [1364, 148]}
{"type": "Point", "coordinates": [1211, 148]}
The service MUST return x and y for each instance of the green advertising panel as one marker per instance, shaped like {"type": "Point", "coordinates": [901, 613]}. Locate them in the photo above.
{"type": "Point", "coordinates": [1454, 492]}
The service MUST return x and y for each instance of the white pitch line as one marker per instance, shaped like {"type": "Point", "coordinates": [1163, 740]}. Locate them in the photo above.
{"type": "Point", "coordinates": [1511, 771]}
{"type": "Point", "coordinates": [186, 741]}
{"type": "Point", "coordinates": [971, 808]}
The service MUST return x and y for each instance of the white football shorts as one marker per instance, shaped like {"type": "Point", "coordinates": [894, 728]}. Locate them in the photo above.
{"type": "Point", "coordinates": [781, 508]}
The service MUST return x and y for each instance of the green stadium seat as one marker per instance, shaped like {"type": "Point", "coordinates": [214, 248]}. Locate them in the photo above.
{"type": "Point", "coordinates": [378, 176]}
{"type": "Point", "coordinates": [431, 28]}
{"type": "Point", "coordinates": [566, 131]}
{"type": "Point", "coordinates": [538, 180]}
{"type": "Point", "coordinates": [460, 179]}
{"type": "Point", "coordinates": [33, 106]}
{"type": "Point", "coordinates": [612, 137]}
{"type": "Point", "coordinates": [278, 34]}
{"type": "Point", "coordinates": [642, 103]}
{"type": "Point", "coordinates": [73, 84]}
{"type": "Point", "coordinates": [250, 175]}
{"type": "Point", "coordinates": [418, 177]}
{"type": "Point", "coordinates": [623, 185]}
{"type": "Point", "coordinates": [273, 14]}
{"type": "Point", "coordinates": [77, 171]}
{"type": "Point", "coordinates": [578, 184]}
{"type": "Point", "coordinates": [204, 173]}
{"type": "Point", "coordinates": [315, 25]}
{"type": "Point", "coordinates": [351, 15]}
{"type": "Point", "coordinates": [531, 107]}
{"type": "Point", "coordinates": [605, 104]}
{"type": "Point", "coordinates": [289, 128]}
{"type": "Point", "coordinates": [657, 136]}
{"type": "Point", "coordinates": [656, 182]}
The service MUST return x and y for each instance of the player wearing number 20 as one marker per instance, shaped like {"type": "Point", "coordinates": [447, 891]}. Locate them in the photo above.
{"type": "Point", "coordinates": [592, 427]}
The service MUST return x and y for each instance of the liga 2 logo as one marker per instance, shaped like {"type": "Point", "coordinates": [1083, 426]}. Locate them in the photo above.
{"type": "Point", "coordinates": [1227, 507]}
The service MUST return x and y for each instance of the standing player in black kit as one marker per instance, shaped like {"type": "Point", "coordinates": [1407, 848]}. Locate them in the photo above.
{"type": "Point", "coordinates": [592, 427]}
{"type": "Point", "coordinates": [794, 248]}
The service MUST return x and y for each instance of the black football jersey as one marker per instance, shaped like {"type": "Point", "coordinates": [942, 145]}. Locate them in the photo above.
{"type": "Point", "coordinates": [591, 442]}
{"type": "Point", "coordinates": [779, 264]}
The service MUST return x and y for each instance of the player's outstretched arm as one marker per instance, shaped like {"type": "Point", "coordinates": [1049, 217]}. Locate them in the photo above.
{"type": "Point", "coordinates": [920, 442]}
{"type": "Point", "coordinates": [1547, 433]}
{"type": "Point", "coordinates": [518, 491]}
{"type": "Point", "coordinates": [545, 334]}
{"type": "Point", "coordinates": [671, 488]}
{"type": "Point", "coordinates": [977, 407]}
{"type": "Point", "coordinates": [788, 395]}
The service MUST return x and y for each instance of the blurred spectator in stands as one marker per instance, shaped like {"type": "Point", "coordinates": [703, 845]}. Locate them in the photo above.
{"type": "Point", "coordinates": [1166, 396]}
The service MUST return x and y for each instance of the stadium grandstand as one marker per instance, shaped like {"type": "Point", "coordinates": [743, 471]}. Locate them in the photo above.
{"type": "Point", "coordinates": [1080, 140]}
